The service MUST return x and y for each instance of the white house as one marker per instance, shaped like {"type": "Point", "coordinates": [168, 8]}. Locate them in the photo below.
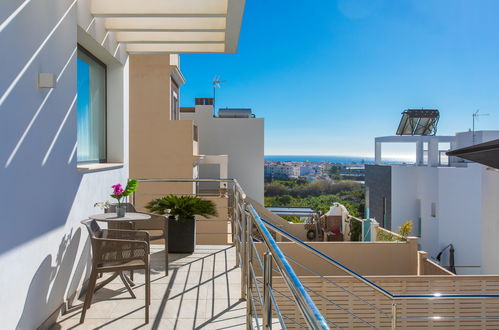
{"type": "Point", "coordinates": [449, 200]}
{"type": "Point", "coordinates": [235, 133]}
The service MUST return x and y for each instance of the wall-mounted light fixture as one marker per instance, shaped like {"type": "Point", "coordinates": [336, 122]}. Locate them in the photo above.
{"type": "Point", "coordinates": [46, 80]}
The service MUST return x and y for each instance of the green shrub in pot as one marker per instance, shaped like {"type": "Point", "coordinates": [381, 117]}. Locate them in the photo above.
{"type": "Point", "coordinates": [182, 225]}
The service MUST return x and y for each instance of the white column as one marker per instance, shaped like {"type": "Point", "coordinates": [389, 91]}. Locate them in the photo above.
{"type": "Point", "coordinates": [419, 152]}
{"type": "Point", "coordinates": [433, 152]}
{"type": "Point", "coordinates": [224, 170]}
{"type": "Point", "coordinates": [377, 153]}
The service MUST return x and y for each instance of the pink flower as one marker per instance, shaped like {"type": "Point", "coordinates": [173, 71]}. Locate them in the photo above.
{"type": "Point", "coordinates": [118, 190]}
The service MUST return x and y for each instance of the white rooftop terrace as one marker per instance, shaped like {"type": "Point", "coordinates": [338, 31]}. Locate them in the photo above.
{"type": "Point", "coordinates": [429, 150]}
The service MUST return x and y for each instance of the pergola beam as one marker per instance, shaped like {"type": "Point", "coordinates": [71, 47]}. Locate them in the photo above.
{"type": "Point", "coordinates": [191, 48]}
{"type": "Point", "coordinates": [171, 37]}
{"type": "Point", "coordinates": [166, 24]}
{"type": "Point", "coordinates": [115, 8]}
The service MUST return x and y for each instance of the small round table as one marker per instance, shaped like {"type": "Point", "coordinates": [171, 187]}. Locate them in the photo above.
{"type": "Point", "coordinates": [129, 216]}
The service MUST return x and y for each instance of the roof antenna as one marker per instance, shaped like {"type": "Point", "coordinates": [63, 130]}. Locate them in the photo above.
{"type": "Point", "coordinates": [476, 114]}
{"type": "Point", "coordinates": [216, 84]}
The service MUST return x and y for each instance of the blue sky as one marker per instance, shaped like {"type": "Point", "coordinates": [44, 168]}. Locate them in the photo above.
{"type": "Point", "coordinates": [329, 76]}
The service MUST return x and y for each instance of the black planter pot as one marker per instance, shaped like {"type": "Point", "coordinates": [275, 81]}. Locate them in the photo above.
{"type": "Point", "coordinates": [181, 235]}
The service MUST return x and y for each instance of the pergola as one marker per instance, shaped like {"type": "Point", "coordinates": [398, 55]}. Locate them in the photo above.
{"type": "Point", "coordinates": [486, 153]}
{"type": "Point", "coordinates": [173, 26]}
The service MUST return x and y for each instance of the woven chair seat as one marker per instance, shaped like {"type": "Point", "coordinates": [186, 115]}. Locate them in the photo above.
{"type": "Point", "coordinates": [132, 264]}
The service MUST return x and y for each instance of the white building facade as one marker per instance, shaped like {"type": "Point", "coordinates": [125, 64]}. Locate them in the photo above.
{"type": "Point", "coordinates": [53, 166]}
{"type": "Point", "coordinates": [450, 201]}
{"type": "Point", "coordinates": [240, 138]}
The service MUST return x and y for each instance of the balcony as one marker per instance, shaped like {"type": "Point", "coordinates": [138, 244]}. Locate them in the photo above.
{"type": "Point", "coordinates": [202, 290]}
{"type": "Point", "coordinates": [251, 280]}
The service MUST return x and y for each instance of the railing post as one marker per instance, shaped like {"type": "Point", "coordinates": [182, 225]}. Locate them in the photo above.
{"type": "Point", "coordinates": [394, 316]}
{"type": "Point", "coordinates": [237, 237]}
{"type": "Point", "coordinates": [249, 257]}
{"type": "Point", "coordinates": [232, 203]}
{"type": "Point", "coordinates": [267, 287]}
{"type": "Point", "coordinates": [244, 262]}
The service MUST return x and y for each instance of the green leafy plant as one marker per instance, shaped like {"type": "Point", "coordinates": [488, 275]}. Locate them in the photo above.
{"type": "Point", "coordinates": [386, 236]}
{"type": "Point", "coordinates": [182, 207]}
{"type": "Point", "coordinates": [131, 187]}
{"type": "Point", "coordinates": [119, 192]}
{"type": "Point", "coordinates": [355, 230]}
{"type": "Point", "coordinates": [406, 229]}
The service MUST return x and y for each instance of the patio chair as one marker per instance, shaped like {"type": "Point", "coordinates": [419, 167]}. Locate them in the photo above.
{"type": "Point", "coordinates": [115, 251]}
{"type": "Point", "coordinates": [157, 227]}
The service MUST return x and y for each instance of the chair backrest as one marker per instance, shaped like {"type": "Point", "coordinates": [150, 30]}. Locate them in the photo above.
{"type": "Point", "coordinates": [93, 227]}
{"type": "Point", "coordinates": [94, 231]}
{"type": "Point", "coordinates": [157, 222]}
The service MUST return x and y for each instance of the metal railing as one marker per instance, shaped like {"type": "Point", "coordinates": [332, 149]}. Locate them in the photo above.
{"type": "Point", "coordinates": [394, 298]}
{"type": "Point", "coordinates": [256, 283]}
{"type": "Point", "coordinates": [260, 278]}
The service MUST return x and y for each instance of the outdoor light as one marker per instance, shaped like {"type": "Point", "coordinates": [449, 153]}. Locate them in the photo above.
{"type": "Point", "coordinates": [46, 80]}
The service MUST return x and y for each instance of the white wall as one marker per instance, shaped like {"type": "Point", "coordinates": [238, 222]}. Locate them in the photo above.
{"type": "Point", "coordinates": [404, 196]}
{"type": "Point", "coordinates": [43, 248]}
{"type": "Point", "coordinates": [242, 139]}
{"type": "Point", "coordinates": [464, 204]}
{"type": "Point", "coordinates": [459, 215]}
{"type": "Point", "coordinates": [490, 221]}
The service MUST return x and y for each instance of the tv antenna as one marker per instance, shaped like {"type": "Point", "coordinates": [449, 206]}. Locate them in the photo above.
{"type": "Point", "coordinates": [476, 115]}
{"type": "Point", "coordinates": [216, 84]}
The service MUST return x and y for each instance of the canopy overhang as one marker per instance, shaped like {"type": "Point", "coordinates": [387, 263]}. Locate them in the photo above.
{"type": "Point", "coordinates": [484, 153]}
{"type": "Point", "coordinates": [173, 26]}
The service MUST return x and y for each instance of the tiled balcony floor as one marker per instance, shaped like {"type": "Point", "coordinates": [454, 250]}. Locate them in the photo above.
{"type": "Point", "coordinates": [202, 291]}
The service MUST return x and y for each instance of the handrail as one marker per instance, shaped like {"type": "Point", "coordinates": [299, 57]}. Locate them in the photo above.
{"type": "Point", "coordinates": [303, 300]}
{"type": "Point", "coordinates": [370, 283]}
{"type": "Point", "coordinates": [306, 305]}
{"type": "Point", "coordinates": [234, 181]}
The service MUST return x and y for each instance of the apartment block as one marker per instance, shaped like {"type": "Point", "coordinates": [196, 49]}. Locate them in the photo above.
{"type": "Point", "coordinates": [236, 137]}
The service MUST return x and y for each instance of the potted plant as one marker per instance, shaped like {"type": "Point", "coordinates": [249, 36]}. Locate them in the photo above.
{"type": "Point", "coordinates": [182, 211]}
{"type": "Point", "coordinates": [119, 192]}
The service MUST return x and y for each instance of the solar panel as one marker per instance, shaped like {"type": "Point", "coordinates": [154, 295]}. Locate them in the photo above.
{"type": "Point", "coordinates": [418, 122]}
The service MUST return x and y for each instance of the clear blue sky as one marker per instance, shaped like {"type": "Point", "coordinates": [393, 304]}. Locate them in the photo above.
{"type": "Point", "coordinates": [328, 76]}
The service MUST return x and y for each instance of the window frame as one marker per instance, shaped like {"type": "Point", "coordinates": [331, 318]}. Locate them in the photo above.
{"type": "Point", "coordinates": [99, 62]}
{"type": "Point", "coordinates": [175, 106]}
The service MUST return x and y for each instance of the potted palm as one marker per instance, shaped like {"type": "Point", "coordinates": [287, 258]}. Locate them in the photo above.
{"type": "Point", "coordinates": [182, 226]}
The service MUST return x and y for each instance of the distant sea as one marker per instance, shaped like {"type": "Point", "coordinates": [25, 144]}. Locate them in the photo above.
{"type": "Point", "coordinates": [331, 159]}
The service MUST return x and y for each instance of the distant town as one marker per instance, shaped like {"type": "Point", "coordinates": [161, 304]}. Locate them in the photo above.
{"type": "Point", "coordinates": [313, 171]}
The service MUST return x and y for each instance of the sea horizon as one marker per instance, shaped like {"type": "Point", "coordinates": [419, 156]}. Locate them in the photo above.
{"type": "Point", "coordinates": [329, 158]}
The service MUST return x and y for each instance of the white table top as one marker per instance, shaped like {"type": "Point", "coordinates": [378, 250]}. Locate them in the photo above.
{"type": "Point", "coordinates": [129, 216]}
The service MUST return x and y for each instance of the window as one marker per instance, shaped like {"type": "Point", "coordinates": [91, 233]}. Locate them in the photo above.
{"type": "Point", "coordinates": [91, 117]}
{"type": "Point", "coordinates": [175, 109]}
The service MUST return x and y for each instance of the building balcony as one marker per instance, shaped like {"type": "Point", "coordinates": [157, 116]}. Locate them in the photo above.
{"type": "Point", "coordinates": [202, 290]}
{"type": "Point", "coordinates": [228, 283]}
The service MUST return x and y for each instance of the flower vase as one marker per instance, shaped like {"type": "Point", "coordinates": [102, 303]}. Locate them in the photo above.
{"type": "Point", "coordinates": [120, 211]}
